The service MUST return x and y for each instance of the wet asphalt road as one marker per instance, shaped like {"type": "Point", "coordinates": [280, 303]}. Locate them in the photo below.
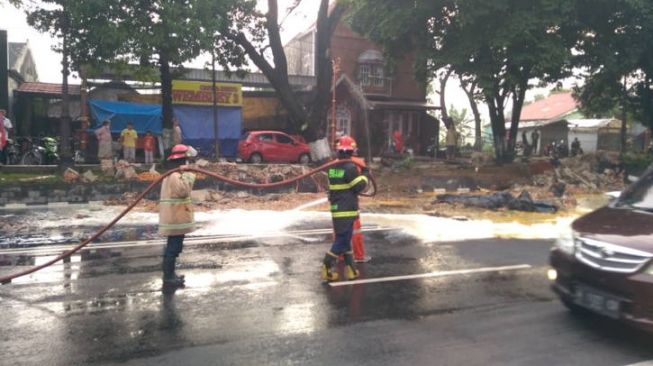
{"type": "Point", "coordinates": [260, 301]}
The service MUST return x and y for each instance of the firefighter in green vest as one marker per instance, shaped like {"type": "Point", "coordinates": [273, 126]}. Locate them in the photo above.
{"type": "Point", "coordinates": [345, 184]}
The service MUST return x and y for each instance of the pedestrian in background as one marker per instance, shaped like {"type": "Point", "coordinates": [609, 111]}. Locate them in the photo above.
{"type": "Point", "coordinates": [176, 212]}
{"type": "Point", "coordinates": [103, 135]}
{"type": "Point", "coordinates": [176, 132]}
{"type": "Point", "coordinates": [6, 123]}
{"type": "Point", "coordinates": [397, 142]}
{"type": "Point", "coordinates": [3, 136]}
{"type": "Point", "coordinates": [148, 147]}
{"type": "Point", "coordinates": [128, 138]}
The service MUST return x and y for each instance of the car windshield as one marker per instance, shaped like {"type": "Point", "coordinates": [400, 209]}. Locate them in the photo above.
{"type": "Point", "coordinates": [640, 194]}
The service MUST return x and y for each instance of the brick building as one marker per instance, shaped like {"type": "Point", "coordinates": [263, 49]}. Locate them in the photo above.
{"type": "Point", "coordinates": [369, 97]}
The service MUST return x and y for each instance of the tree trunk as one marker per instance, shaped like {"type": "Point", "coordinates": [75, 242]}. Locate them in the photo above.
{"type": "Point", "coordinates": [517, 104]}
{"type": "Point", "coordinates": [166, 98]}
{"type": "Point", "coordinates": [312, 122]}
{"type": "Point", "coordinates": [497, 121]}
{"type": "Point", "coordinates": [324, 73]}
{"type": "Point", "coordinates": [443, 100]}
{"type": "Point", "coordinates": [470, 90]}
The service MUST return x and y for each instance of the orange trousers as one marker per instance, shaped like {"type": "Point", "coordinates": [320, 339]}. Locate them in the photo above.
{"type": "Point", "coordinates": [357, 242]}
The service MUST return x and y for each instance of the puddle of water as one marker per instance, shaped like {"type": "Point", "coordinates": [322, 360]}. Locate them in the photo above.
{"type": "Point", "coordinates": [31, 228]}
{"type": "Point", "coordinates": [438, 229]}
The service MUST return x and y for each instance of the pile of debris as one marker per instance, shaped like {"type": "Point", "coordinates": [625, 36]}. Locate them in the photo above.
{"type": "Point", "coordinates": [587, 173]}
{"type": "Point", "coordinates": [250, 173]}
{"type": "Point", "coordinates": [73, 176]}
{"type": "Point", "coordinates": [494, 201]}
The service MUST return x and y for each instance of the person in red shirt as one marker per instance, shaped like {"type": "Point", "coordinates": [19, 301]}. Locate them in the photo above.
{"type": "Point", "coordinates": [148, 147]}
{"type": "Point", "coordinates": [398, 142]}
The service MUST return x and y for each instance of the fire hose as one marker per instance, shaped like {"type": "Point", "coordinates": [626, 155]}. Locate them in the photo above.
{"type": "Point", "coordinates": [8, 278]}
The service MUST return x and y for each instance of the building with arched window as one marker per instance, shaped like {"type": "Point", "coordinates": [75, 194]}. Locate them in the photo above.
{"type": "Point", "coordinates": [372, 101]}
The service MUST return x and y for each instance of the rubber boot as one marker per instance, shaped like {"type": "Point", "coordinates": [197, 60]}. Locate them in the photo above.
{"type": "Point", "coordinates": [350, 271]}
{"type": "Point", "coordinates": [169, 276]}
{"type": "Point", "coordinates": [327, 273]}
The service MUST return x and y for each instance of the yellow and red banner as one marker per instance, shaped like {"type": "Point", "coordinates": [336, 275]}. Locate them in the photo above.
{"type": "Point", "coordinates": [201, 93]}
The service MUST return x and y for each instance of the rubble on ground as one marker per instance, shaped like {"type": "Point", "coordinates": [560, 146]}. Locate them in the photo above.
{"type": "Point", "coordinates": [258, 174]}
{"type": "Point", "coordinates": [589, 173]}
{"type": "Point", "coordinates": [125, 170]}
{"type": "Point", "coordinates": [71, 175]}
{"type": "Point", "coordinates": [89, 177]}
{"type": "Point", "coordinates": [497, 200]}
{"type": "Point", "coordinates": [106, 165]}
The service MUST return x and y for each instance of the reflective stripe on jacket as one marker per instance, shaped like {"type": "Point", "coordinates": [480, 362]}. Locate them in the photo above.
{"type": "Point", "coordinates": [345, 183]}
{"type": "Point", "coordinates": [175, 205]}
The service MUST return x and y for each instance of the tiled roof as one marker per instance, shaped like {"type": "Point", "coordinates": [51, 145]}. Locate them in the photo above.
{"type": "Point", "coordinates": [555, 106]}
{"type": "Point", "coordinates": [47, 88]}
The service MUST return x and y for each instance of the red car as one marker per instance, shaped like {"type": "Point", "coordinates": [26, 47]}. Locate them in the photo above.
{"type": "Point", "coordinates": [272, 146]}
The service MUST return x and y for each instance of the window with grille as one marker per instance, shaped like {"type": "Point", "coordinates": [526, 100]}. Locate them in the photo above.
{"type": "Point", "coordinates": [371, 75]}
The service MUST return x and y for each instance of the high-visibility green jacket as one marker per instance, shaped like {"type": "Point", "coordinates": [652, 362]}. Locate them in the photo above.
{"type": "Point", "coordinates": [345, 183]}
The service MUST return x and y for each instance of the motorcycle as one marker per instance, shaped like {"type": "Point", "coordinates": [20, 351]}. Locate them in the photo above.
{"type": "Point", "coordinates": [43, 153]}
{"type": "Point", "coordinates": [12, 153]}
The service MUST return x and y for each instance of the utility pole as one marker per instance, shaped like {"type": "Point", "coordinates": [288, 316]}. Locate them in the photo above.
{"type": "Point", "coordinates": [335, 63]}
{"type": "Point", "coordinates": [624, 116]}
{"type": "Point", "coordinates": [215, 106]}
{"type": "Point", "coordinates": [64, 128]}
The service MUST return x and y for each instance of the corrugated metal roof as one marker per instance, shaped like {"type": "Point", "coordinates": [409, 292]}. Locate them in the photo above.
{"type": "Point", "coordinates": [589, 124]}
{"type": "Point", "coordinates": [535, 124]}
{"type": "Point", "coordinates": [555, 106]}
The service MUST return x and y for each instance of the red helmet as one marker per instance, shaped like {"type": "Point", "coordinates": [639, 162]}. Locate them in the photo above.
{"type": "Point", "coordinates": [346, 143]}
{"type": "Point", "coordinates": [178, 152]}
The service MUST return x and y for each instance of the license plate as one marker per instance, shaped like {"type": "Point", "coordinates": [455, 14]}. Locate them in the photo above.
{"type": "Point", "coordinates": [597, 301]}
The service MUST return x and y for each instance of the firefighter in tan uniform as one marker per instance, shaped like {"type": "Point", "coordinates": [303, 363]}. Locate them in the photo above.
{"type": "Point", "coordinates": [176, 212]}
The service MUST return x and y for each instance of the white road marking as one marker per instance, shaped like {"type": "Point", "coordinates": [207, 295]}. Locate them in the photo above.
{"type": "Point", "coordinates": [430, 275]}
{"type": "Point", "coordinates": [645, 363]}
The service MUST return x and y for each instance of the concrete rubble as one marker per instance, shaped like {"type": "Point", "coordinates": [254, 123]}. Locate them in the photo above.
{"type": "Point", "coordinates": [589, 173]}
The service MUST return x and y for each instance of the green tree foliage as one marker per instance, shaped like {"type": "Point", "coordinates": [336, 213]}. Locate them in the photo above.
{"type": "Point", "coordinates": [261, 41]}
{"type": "Point", "coordinates": [501, 45]}
{"type": "Point", "coordinates": [161, 33]}
{"type": "Point", "coordinates": [616, 49]}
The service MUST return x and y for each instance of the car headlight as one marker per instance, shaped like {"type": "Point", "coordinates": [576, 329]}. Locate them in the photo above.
{"type": "Point", "coordinates": [567, 241]}
{"type": "Point", "coordinates": [649, 270]}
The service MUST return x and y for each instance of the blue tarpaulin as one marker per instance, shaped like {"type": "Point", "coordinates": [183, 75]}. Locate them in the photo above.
{"type": "Point", "coordinates": [143, 116]}
{"type": "Point", "coordinates": [197, 128]}
{"type": "Point", "coordinates": [196, 123]}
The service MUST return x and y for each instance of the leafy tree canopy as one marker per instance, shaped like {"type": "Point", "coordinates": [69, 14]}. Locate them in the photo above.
{"type": "Point", "coordinates": [501, 45]}
{"type": "Point", "coordinates": [616, 49]}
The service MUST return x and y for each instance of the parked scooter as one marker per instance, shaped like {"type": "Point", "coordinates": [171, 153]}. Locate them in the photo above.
{"type": "Point", "coordinates": [12, 153]}
{"type": "Point", "coordinates": [43, 153]}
